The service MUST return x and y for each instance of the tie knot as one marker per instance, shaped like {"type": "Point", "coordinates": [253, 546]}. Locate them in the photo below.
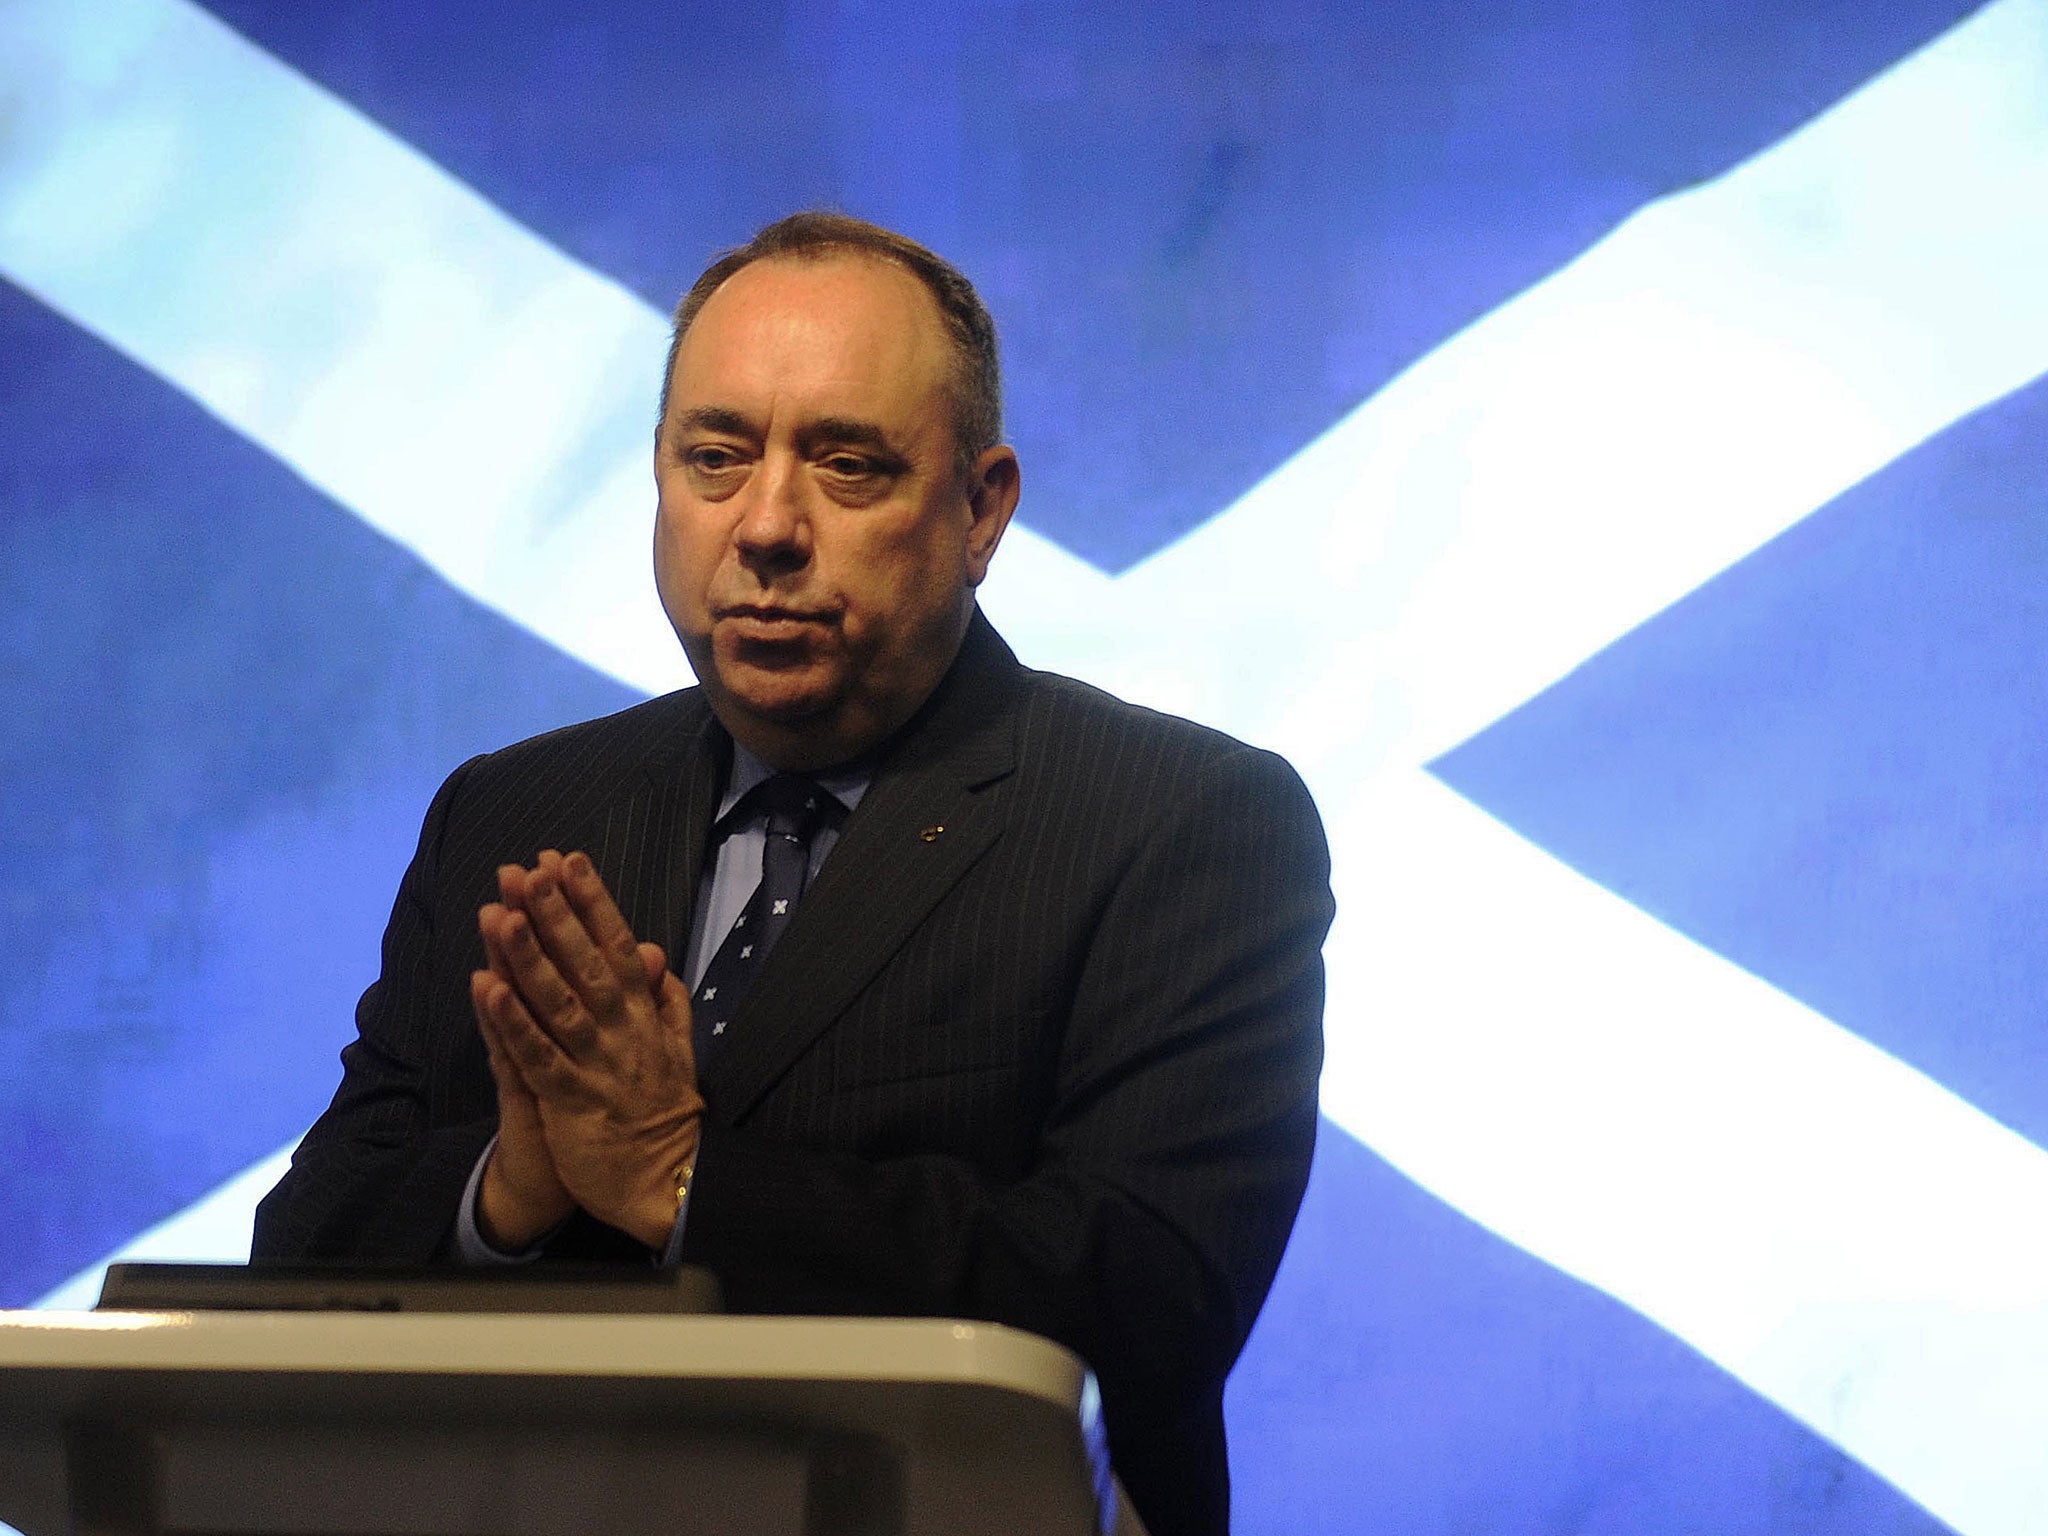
{"type": "Point", "coordinates": [794, 805]}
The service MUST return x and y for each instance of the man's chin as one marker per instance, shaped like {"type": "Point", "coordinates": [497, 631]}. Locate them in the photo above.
{"type": "Point", "coordinates": [788, 700]}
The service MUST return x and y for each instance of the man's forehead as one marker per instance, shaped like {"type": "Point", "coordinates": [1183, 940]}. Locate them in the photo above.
{"type": "Point", "coordinates": [842, 332]}
{"type": "Point", "coordinates": [825, 291]}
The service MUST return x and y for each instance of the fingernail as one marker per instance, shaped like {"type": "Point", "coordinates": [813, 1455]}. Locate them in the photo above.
{"type": "Point", "coordinates": [541, 887]}
{"type": "Point", "coordinates": [579, 865]}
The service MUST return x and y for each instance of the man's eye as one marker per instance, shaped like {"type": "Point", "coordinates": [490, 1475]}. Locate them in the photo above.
{"type": "Point", "coordinates": [848, 466]}
{"type": "Point", "coordinates": [711, 458]}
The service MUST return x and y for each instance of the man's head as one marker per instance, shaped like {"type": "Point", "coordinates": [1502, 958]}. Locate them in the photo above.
{"type": "Point", "coordinates": [977, 383]}
{"type": "Point", "coordinates": [823, 519]}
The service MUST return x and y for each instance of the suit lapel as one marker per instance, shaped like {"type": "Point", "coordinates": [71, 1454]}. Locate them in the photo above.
{"type": "Point", "coordinates": [933, 809]}
{"type": "Point", "coordinates": [648, 843]}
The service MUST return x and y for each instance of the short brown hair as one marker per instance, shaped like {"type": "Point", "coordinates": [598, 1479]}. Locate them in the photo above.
{"type": "Point", "coordinates": [977, 387]}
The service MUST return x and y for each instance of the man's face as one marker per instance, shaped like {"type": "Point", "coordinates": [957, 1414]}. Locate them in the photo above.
{"type": "Point", "coordinates": [815, 544]}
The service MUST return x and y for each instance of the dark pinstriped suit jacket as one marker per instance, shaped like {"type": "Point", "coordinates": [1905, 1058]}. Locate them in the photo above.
{"type": "Point", "coordinates": [1054, 1065]}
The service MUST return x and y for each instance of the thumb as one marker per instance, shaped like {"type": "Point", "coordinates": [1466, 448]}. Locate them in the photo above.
{"type": "Point", "coordinates": [673, 999]}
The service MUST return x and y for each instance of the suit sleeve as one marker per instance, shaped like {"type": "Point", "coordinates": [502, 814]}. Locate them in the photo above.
{"type": "Point", "coordinates": [1169, 1169]}
{"type": "Point", "coordinates": [380, 1173]}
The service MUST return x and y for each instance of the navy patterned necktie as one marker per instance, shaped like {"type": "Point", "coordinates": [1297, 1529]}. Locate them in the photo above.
{"type": "Point", "coordinates": [796, 808]}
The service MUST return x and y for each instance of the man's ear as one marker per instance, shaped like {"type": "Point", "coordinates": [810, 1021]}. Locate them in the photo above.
{"type": "Point", "coordinates": [993, 486]}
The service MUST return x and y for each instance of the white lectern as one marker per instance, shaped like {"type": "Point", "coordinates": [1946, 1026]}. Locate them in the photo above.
{"type": "Point", "coordinates": [417, 1424]}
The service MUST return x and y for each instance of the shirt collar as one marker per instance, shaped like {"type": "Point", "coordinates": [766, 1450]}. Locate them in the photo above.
{"type": "Point", "coordinates": [844, 784]}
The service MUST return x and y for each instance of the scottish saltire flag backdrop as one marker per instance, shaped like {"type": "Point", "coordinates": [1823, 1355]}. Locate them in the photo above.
{"type": "Point", "coordinates": [1604, 443]}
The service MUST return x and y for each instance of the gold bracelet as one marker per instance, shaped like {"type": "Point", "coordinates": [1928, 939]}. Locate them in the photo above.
{"type": "Point", "coordinates": [682, 1177]}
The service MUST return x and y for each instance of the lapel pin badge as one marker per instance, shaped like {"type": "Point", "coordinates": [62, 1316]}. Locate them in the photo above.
{"type": "Point", "coordinates": [931, 834]}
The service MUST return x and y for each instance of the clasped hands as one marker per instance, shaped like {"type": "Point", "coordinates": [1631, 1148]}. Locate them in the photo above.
{"type": "Point", "coordinates": [588, 1033]}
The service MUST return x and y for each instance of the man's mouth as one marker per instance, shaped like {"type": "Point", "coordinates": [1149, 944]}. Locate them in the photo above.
{"type": "Point", "coordinates": [771, 622]}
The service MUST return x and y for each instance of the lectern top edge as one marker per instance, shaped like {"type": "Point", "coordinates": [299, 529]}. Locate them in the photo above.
{"type": "Point", "coordinates": [722, 1348]}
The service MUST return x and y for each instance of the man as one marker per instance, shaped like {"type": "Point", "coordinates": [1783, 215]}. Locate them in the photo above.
{"type": "Point", "coordinates": [1032, 986]}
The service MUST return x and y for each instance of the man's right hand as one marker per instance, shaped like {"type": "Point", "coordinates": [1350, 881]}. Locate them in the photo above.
{"type": "Point", "coordinates": [521, 1197]}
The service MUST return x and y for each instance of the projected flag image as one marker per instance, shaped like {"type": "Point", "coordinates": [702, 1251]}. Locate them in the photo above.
{"type": "Point", "coordinates": [1604, 447]}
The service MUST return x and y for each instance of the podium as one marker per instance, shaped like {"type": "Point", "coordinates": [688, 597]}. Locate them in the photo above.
{"type": "Point", "coordinates": [416, 1424]}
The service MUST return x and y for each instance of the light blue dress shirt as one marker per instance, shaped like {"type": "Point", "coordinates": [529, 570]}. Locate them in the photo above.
{"type": "Point", "coordinates": [730, 875]}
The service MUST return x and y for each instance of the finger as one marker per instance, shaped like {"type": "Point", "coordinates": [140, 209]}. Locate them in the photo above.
{"type": "Point", "coordinates": [490, 923]}
{"type": "Point", "coordinates": [672, 993]}
{"type": "Point", "coordinates": [547, 862]}
{"type": "Point", "coordinates": [503, 1072]}
{"type": "Point", "coordinates": [674, 1004]}
{"type": "Point", "coordinates": [653, 961]}
{"type": "Point", "coordinates": [483, 987]}
{"type": "Point", "coordinates": [544, 992]}
{"type": "Point", "coordinates": [602, 919]}
{"type": "Point", "coordinates": [512, 884]}
{"type": "Point", "coordinates": [479, 1003]}
{"type": "Point", "coordinates": [508, 1027]}
{"type": "Point", "coordinates": [490, 918]}
{"type": "Point", "coordinates": [577, 958]}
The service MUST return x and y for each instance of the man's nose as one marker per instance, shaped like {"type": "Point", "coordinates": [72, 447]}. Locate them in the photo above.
{"type": "Point", "coordinates": [773, 531]}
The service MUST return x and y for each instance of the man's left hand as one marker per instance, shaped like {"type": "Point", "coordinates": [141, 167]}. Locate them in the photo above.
{"type": "Point", "coordinates": [598, 1028]}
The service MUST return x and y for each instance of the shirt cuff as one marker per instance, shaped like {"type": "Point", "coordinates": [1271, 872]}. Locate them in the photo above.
{"type": "Point", "coordinates": [470, 1243]}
